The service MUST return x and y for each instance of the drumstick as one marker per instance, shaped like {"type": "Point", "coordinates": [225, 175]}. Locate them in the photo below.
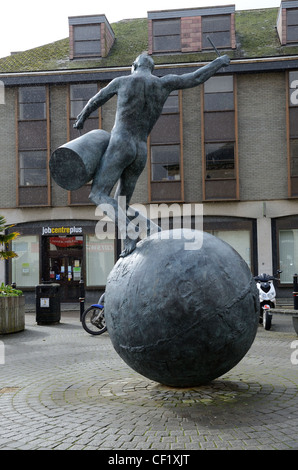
{"type": "Point", "coordinates": [213, 45]}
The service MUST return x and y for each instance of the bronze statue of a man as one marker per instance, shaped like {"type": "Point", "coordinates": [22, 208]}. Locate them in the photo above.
{"type": "Point", "coordinates": [141, 97]}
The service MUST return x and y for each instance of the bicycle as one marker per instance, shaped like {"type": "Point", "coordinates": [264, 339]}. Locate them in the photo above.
{"type": "Point", "coordinates": [93, 320]}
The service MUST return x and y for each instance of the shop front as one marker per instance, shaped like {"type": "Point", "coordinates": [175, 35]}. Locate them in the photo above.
{"type": "Point", "coordinates": [62, 252]}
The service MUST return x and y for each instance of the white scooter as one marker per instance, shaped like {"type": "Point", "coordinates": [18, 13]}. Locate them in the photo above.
{"type": "Point", "coordinates": [267, 296]}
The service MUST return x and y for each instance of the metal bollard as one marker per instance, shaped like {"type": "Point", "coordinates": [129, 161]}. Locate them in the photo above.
{"type": "Point", "coordinates": [82, 298]}
{"type": "Point", "coordinates": [295, 293]}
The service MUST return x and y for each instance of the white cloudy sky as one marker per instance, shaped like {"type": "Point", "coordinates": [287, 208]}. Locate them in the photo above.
{"type": "Point", "coordinates": [31, 23]}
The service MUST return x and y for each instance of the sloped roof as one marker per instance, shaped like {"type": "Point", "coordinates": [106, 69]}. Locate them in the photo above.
{"type": "Point", "coordinates": [256, 37]}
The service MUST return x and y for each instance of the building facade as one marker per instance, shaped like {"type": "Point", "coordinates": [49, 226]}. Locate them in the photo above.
{"type": "Point", "coordinates": [229, 146]}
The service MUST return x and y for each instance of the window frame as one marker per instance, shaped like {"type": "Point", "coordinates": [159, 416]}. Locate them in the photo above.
{"type": "Point", "coordinates": [169, 188]}
{"type": "Point", "coordinates": [30, 195]}
{"type": "Point", "coordinates": [292, 130]}
{"type": "Point", "coordinates": [291, 26]}
{"type": "Point", "coordinates": [214, 34]}
{"type": "Point", "coordinates": [156, 24]}
{"type": "Point", "coordinates": [94, 121]}
{"type": "Point", "coordinates": [89, 40]}
{"type": "Point", "coordinates": [220, 185]}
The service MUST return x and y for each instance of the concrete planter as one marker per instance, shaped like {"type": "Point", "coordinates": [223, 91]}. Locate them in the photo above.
{"type": "Point", "coordinates": [12, 314]}
{"type": "Point", "coordinates": [295, 323]}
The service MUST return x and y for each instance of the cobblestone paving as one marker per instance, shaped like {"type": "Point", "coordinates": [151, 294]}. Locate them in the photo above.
{"type": "Point", "coordinates": [61, 388]}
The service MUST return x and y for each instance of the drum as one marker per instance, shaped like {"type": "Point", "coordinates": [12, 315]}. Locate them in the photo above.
{"type": "Point", "coordinates": [75, 163]}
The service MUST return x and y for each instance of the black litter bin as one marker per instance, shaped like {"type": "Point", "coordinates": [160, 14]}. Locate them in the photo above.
{"type": "Point", "coordinates": [48, 303]}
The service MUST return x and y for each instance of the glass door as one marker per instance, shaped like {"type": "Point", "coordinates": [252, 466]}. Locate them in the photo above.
{"type": "Point", "coordinates": [63, 262]}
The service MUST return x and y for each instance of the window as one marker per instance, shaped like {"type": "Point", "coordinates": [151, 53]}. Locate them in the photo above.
{"type": "Point", "coordinates": [165, 162]}
{"type": "Point", "coordinates": [165, 153]}
{"type": "Point", "coordinates": [79, 95]}
{"type": "Point", "coordinates": [100, 259]}
{"type": "Point", "coordinates": [292, 25]}
{"type": "Point", "coordinates": [87, 40]}
{"type": "Point", "coordinates": [288, 255]}
{"type": "Point", "coordinates": [240, 240]}
{"type": "Point", "coordinates": [32, 103]}
{"type": "Point", "coordinates": [90, 36]}
{"type": "Point", "coordinates": [219, 139]}
{"type": "Point", "coordinates": [218, 27]}
{"type": "Point", "coordinates": [240, 233]}
{"type": "Point", "coordinates": [293, 131]}
{"type": "Point", "coordinates": [166, 35]}
{"type": "Point", "coordinates": [186, 30]}
{"type": "Point", "coordinates": [220, 160]}
{"type": "Point", "coordinates": [33, 148]}
{"type": "Point", "coordinates": [25, 268]}
{"type": "Point", "coordinates": [33, 168]}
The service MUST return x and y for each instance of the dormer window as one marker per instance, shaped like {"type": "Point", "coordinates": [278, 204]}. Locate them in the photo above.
{"type": "Point", "coordinates": [187, 30]}
{"type": "Point", "coordinates": [287, 23]}
{"type": "Point", "coordinates": [90, 36]}
{"type": "Point", "coordinates": [292, 25]}
{"type": "Point", "coordinates": [166, 35]}
{"type": "Point", "coordinates": [218, 28]}
{"type": "Point", "coordinates": [86, 40]}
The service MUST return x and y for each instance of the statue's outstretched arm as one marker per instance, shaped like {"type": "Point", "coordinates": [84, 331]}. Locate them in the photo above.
{"type": "Point", "coordinates": [96, 101]}
{"type": "Point", "coordinates": [190, 80]}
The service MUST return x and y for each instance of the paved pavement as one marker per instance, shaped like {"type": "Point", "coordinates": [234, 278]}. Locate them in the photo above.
{"type": "Point", "coordinates": [61, 388]}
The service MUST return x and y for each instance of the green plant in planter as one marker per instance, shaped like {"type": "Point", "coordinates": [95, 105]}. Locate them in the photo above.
{"type": "Point", "coordinates": [8, 291]}
{"type": "Point", "coordinates": [5, 239]}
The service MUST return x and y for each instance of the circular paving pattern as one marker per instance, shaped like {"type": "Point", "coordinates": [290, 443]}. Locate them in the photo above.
{"type": "Point", "coordinates": [68, 390]}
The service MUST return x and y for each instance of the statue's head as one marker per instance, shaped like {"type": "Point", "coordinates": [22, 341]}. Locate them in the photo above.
{"type": "Point", "coordinates": [143, 61]}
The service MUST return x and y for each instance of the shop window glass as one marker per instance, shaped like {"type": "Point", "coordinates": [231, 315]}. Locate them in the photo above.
{"type": "Point", "coordinates": [25, 268]}
{"type": "Point", "coordinates": [100, 259]}
{"type": "Point", "coordinates": [288, 255]}
{"type": "Point", "coordinates": [239, 240]}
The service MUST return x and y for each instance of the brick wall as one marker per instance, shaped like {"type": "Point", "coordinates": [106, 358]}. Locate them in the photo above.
{"type": "Point", "coordinates": [191, 34]}
{"type": "Point", "coordinates": [282, 26]}
{"type": "Point", "coordinates": [71, 42]}
{"type": "Point", "coordinates": [107, 40]}
{"type": "Point", "coordinates": [262, 136]}
{"type": "Point", "coordinates": [192, 153]}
